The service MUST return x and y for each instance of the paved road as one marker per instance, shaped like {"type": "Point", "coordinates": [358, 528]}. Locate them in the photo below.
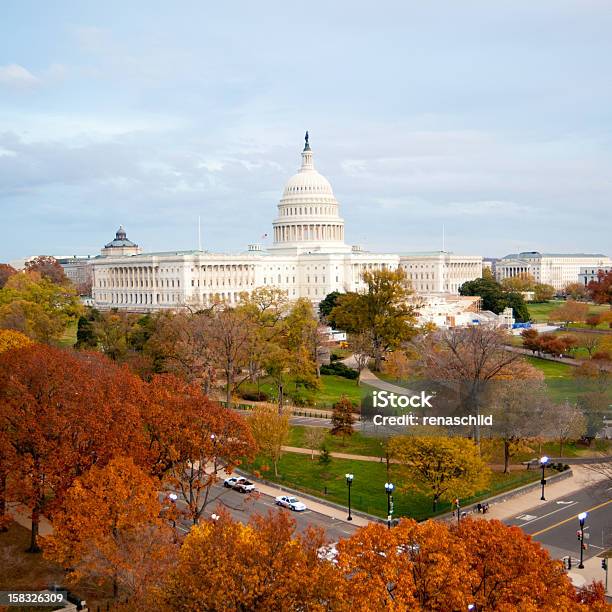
{"type": "Point", "coordinates": [241, 506]}
{"type": "Point", "coordinates": [555, 523]}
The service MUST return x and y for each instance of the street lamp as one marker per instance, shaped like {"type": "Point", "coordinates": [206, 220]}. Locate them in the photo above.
{"type": "Point", "coordinates": [173, 497]}
{"type": "Point", "coordinates": [471, 606]}
{"type": "Point", "coordinates": [389, 489]}
{"type": "Point", "coordinates": [349, 482]}
{"type": "Point", "coordinates": [581, 518]}
{"type": "Point", "coordinates": [543, 463]}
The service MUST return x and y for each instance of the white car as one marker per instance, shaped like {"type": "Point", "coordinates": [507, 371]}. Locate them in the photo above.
{"type": "Point", "coordinates": [293, 503]}
{"type": "Point", "coordinates": [239, 483]}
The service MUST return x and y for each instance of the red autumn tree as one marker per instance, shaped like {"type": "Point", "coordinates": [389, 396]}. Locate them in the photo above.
{"type": "Point", "coordinates": [6, 271]}
{"type": "Point", "coordinates": [192, 440]}
{"type": "Point", "coordinates": [600, 290]}
{"type": "Point", "coordinates": [48, 267]}
{"type": "Point", "coordinates": [62, 413]}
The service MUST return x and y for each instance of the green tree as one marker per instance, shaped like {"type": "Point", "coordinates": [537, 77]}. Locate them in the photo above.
{"type": "Point", "coordinates": [494, 297]}
{"type": "Point", "coordinates": [443, 468]}
{"type": "Point", "coordinates": [327, 304]}
{"type": "Point", "coordinates": [382, 312]}
{"type": "Point", "coordinates": [37, 307]}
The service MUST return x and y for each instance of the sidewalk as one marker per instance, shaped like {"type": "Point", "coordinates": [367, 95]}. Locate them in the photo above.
{"type": "Point", "coordinates": [21, 515]}
{"type": "Point", "coordinates": [582, 477]}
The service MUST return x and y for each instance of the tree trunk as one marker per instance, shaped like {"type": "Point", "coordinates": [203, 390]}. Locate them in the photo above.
{"type": "Point", "coordinates": [506, 455]}
{"type": "Point", "coordinates": [3, 527]}
{"type": "Point", "coordinates": [435, 503]}
{"type": "Point", "coordinates": [229, 382]}
{"type": "Point", "coordinates": [34, 548]}
{"type": "Point", "coordinates": [275, 467]}
{"type": "Point", "coordinates": [560, 447]}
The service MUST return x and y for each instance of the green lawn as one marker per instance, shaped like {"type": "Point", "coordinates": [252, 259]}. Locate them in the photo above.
{"type": "Point", "coordinates": [541, 311]}
{"type": "Point", "coordinates": [368, 493]}
{"type": "Point", "coordinates": [357, 444]}
{"type": "Point", "coordinates": [331, 390]}
{"type": "Point", "coordinates": [69, 337]}
{"type": "Point", "coordinates": [552, 369]}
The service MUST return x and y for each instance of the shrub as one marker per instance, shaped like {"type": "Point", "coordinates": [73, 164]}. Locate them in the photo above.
{"type": "Point", "coordinates": [338, 368]}
{"type": "Point", "coordinates": [254, 396]}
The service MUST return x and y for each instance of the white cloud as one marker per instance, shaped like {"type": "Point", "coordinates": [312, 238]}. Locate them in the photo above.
{"type": "Point", "coordinates": [15, 75]}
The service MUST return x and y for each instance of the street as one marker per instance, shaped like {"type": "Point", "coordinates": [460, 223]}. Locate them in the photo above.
{"type": "Point", "coordinates": [555, 523]}
{"type": "Point", "coordinates": [242, 506]}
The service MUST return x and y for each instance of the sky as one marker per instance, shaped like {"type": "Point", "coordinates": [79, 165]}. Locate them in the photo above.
{"type": "Point", "coordinates": [492, 120]}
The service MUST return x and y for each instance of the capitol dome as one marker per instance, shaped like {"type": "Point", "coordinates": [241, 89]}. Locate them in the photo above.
{"type": "Point", "coordinates": [308, 212]}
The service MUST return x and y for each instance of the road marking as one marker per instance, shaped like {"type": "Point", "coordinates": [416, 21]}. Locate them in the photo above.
{"type": "Point", "coordinates": [545, 515]}
{"type": "Point", "coordinates": [571, 518]}
{"type": "Point", "coordinates": [527, 517]}
{"type": "Point", "coordinates": [565, 502]}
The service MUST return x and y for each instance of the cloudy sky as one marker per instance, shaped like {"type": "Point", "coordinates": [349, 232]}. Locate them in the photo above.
{"type": "Point", "coordinates": [492, 119]}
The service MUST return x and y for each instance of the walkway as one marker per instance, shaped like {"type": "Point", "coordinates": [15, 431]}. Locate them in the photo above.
{"type": "Point", "coordinates": [565, 360]}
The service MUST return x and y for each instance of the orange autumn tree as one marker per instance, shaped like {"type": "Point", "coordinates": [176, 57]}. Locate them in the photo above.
{"type": "Point", "coordinates": [62, 412]}
{"type": "Point", "coordinates": [191, 439]}
{"type": "Point", "coordinates": [109, 530]}
{"type": "Point", "coordinates": [436, 566]}
{"type": "Point", "coordinates": [9, 340]}
{"type": "Point", "coordinates": [262, 566]}
{"type": "Point", "coordinates": [507, 570]}
{"type": "Point", "coordinates": [411, 567]}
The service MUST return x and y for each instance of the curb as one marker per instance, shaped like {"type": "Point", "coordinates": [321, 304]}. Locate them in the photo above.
{"type": "Point", "coordinates": [502, 497]}
{"type": "Point", "coordinates": [314, 498]}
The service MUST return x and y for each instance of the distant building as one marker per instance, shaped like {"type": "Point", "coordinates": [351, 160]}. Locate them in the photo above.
{"type": "Point", "coordinates": [309, 258]}
{"type": "Point", "coordinates": [556, 269]}
{"type": "Point", "coordinates": [77, 268]}
{"type": "Point", "coordinates": [587, 275]}
{"type": "Point", "coordinates": [120, 246]}
{"type": "Point", "coordinates": [445, 310]}
{"type": "Point", "coordinates": [440, 271]}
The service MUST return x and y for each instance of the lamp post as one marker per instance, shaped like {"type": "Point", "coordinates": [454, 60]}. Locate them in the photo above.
{"type": "Point", "coordinates": [349, 482]}
{"type": "Point", "coordinates": [581, 519]}
{"type": "Point", "coordinates": [389, 489]}
{"type": "Point", "coordinates": [173, 497]}
{"type": "Point", "coordinates": [543, 463]}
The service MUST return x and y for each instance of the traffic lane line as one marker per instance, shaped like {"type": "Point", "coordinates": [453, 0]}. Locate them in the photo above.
{"type": "Point", "coordinates": [545, 515]}
{"type": "Point", "coordinates": [567, 520]}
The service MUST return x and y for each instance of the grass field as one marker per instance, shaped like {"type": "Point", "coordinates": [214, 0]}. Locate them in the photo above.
{"type": "Point", "coordinates": [331, 390]}
{"type": "Point", "coordinates": [540, 312]}
{"type": "Point", "coordinates": [69, 337]}
{"type": "Point", "coordinates": [357, 444]}
{"type": "Point", "coordinates": [368, 493]}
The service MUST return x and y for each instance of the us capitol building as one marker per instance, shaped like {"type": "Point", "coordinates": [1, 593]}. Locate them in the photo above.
{"type": "Point", "coordinates": [308, 258]}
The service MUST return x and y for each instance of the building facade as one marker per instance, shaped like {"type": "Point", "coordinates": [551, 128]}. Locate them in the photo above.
{"type": "Point", "coordinates": [309, 258]}
{"type": "Point", "coordinates": [587, 274]}
{"type": "Point", "coordinates": [556, 269]}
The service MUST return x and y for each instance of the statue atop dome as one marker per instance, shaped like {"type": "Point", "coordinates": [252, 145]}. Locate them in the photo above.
{"type": "Point", "coordinates": [306, 144]}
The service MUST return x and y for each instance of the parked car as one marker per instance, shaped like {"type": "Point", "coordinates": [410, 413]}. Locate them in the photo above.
{"type": "Point", "coordinates": [239, 484]}
{"type": "Point", "coordinates": [293, 503]}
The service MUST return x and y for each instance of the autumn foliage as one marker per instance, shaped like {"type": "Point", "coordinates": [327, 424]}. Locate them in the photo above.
{"type": "Point", "coordinates": [430, 566]}
{"type": "Point", "coordinates": [109, 530]}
